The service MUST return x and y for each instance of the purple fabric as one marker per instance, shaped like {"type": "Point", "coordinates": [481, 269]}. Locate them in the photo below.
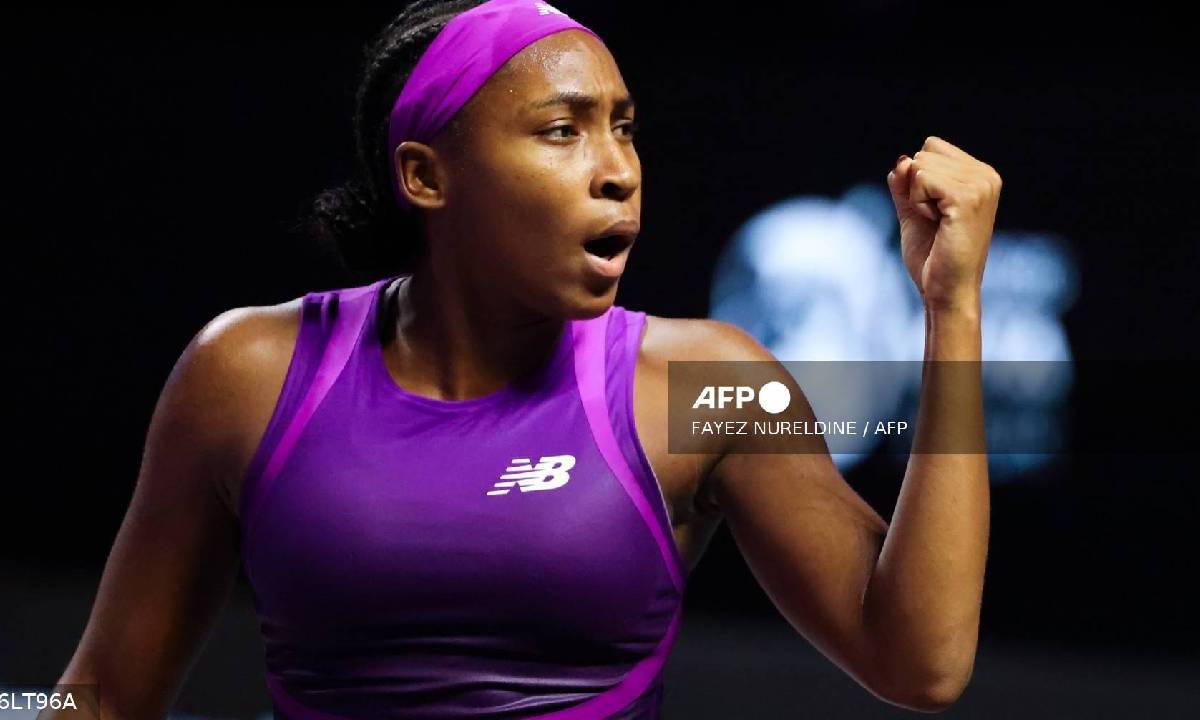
{"type": "Point", "coordinates": [468, 51]}
{"type": "Point", "coordinates": [334, 357]}
{"type": "Point", "coordinates": [391, 581]}
{"type": "Point", "coordinates": [589, 368]}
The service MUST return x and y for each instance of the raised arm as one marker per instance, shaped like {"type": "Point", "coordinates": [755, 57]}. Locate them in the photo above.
{"type": "Point", "coordinates": [896, 607]}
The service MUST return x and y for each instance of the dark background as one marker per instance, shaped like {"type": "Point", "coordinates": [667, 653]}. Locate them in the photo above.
{"type": "Point", "coordinates": [161, 157]}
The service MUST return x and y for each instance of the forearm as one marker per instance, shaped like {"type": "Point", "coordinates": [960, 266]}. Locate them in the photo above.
{"type": "Point", "coordinates": [922, 602]}
{"type": "Point", "coordinates": [106, 695]}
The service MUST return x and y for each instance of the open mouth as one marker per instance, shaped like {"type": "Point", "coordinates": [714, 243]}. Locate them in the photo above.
{"type": "Point", "coordinates": [608, 246]}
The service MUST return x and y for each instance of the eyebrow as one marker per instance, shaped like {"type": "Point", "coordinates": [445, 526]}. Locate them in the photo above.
{"type": "Point", "coordinates": [580, 102]}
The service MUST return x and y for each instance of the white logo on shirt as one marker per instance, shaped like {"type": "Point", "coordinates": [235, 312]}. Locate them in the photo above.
{"type": "Point", "coordinates": [546, 9]}
{"type": "Point", "coordinates": [549, 473]}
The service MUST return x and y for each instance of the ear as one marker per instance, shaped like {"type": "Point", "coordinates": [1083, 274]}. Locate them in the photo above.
{"type": "Point", "coordinates": [421, 175]}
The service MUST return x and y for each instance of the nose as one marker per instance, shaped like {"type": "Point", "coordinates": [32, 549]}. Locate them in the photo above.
{"type": "Point", "coordinates": [617, 172]}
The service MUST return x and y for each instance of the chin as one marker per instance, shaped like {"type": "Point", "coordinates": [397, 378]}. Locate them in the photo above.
{"type": "Point", "coordinates": [584, 301]}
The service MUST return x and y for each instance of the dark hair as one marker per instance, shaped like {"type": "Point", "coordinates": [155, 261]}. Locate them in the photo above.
{"type": "Point", "coordinates": [360, 221]}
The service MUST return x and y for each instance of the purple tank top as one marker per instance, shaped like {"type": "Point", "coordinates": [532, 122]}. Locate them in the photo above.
{"type": "Point", "coordinates": [506, 556]}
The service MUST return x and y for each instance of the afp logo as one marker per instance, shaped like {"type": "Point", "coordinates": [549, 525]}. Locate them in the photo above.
{"type": "Point", "coordinates": [773, 397]}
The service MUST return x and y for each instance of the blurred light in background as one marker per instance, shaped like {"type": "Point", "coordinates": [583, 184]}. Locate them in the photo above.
{"type": "Point", "coordinates": [815, 279]}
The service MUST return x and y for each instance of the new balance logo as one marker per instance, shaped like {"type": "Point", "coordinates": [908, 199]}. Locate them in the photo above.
{"type": "Point", "coordinates": [545, 9]}
{"type": "Point", "coordinates": [549, 473]}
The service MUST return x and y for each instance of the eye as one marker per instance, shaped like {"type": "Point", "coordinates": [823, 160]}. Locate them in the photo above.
{"type": "Point", "coordinates": [630, 128]}
{"type": "Point", "coordinates": [569, 130]}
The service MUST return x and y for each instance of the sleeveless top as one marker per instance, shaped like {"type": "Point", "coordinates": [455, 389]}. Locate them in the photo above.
{"type": "Point", "coordinates": [505, 556]}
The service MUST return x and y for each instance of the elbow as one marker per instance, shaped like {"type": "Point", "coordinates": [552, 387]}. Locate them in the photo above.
{"type": "Point", "coordinates": [931, 697]}
{"type": "Point", "coordinates": [931, 691]}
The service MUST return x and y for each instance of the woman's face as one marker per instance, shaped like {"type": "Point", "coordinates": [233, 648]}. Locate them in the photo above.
{"type": "Point", "coordinates": [544, 164]}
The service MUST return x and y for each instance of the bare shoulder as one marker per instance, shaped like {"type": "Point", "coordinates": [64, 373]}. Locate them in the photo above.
{"type": "Point", "coordinates": [247, 340]}
{"type": "Point", "coordinates": [233, 371]}
{"type": "Point", "coordinates": [699, 339]}
{"type": "Point", "coordinates": [687, 477]}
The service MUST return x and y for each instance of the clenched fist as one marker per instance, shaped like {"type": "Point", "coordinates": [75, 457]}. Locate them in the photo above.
{"type": "Point", "coordinates": [946, 203]}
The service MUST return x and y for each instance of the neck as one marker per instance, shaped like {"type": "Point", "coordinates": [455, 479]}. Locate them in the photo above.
{"type": "Point", "coordinates": [459, 336]}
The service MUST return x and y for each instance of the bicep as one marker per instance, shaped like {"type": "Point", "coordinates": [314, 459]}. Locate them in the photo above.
{"type": "Point", "coordinates": [175, 556]}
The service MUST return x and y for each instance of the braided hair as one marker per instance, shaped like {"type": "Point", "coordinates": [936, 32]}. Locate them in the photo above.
{"type": "Point", "coordinates": [360, 221]}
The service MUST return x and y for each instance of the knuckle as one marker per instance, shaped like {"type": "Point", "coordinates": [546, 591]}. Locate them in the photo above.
{"type": "Point", "coordinates": [990, 176]}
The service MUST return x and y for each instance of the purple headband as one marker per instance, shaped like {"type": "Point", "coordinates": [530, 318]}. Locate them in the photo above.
{"type": "Point", "coordinates": [468, 51]}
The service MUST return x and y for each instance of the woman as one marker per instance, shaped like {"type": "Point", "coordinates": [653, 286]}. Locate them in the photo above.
{"type": "Point", "coordinates": [450, 486]}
